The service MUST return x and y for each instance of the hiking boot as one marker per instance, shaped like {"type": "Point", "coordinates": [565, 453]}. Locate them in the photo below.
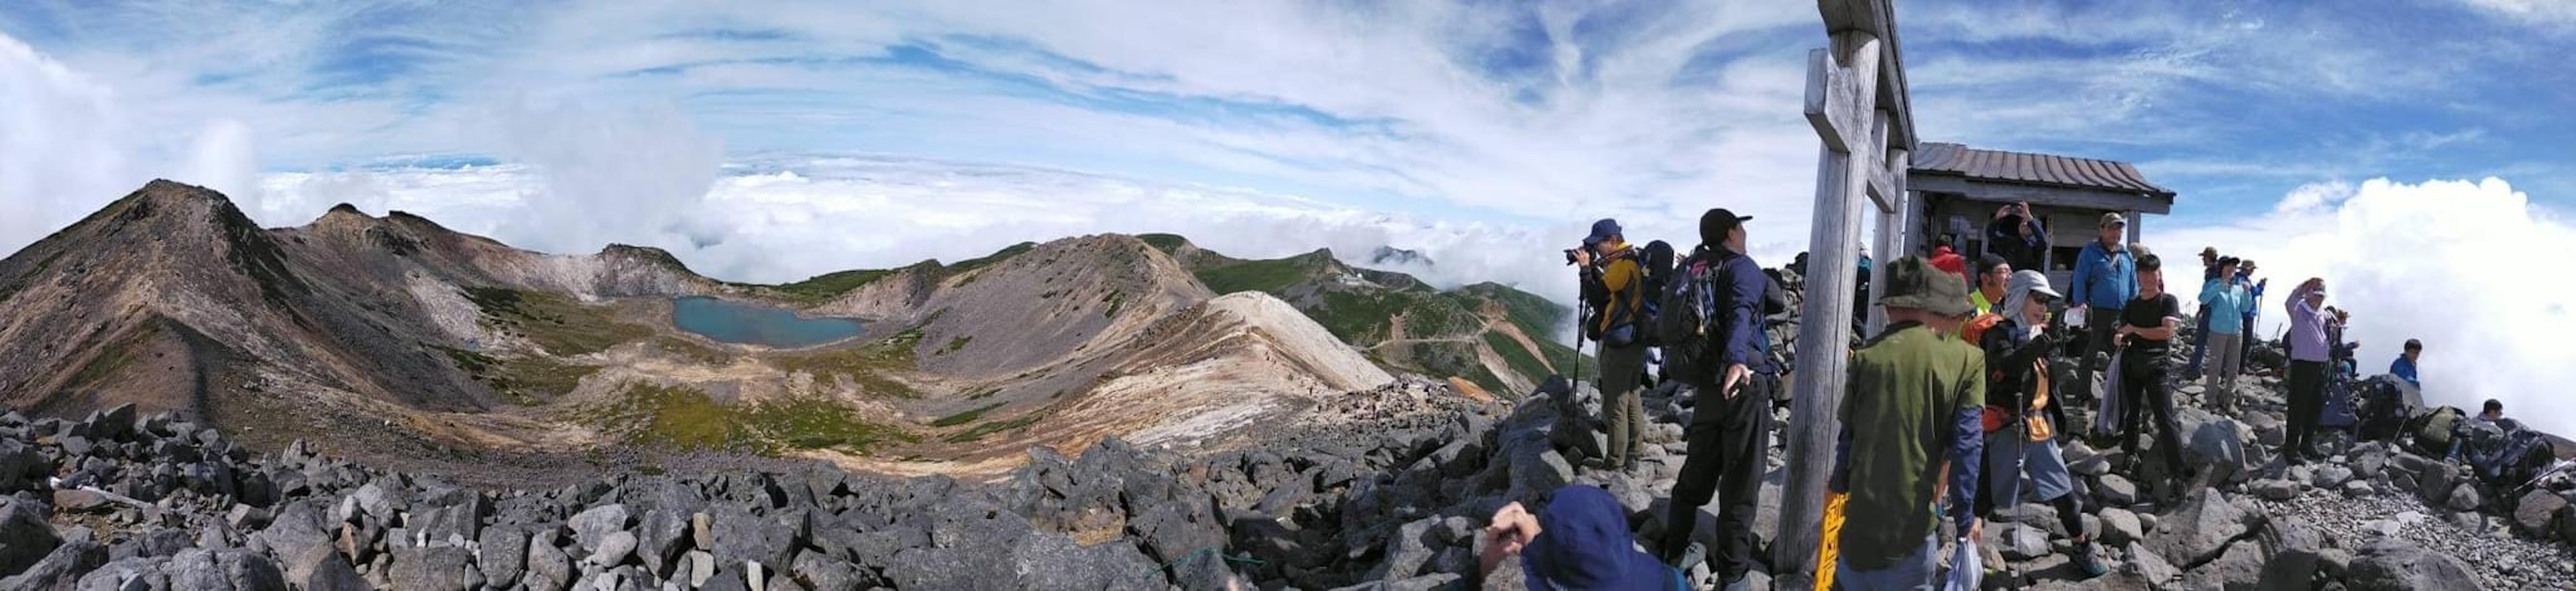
{"type": "Point", "coordinates": [1630, 466]}
{"type": "Point", "coordinates": [2087, 559]}
{"type": "Point", "coordinates": [1693, 554]}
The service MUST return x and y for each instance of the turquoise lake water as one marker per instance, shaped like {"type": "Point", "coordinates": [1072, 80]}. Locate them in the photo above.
{"type": "Point", "coordinates": [756, 324]}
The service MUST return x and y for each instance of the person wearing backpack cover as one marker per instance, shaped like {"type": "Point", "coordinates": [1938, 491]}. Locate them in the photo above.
{"type": "Point", "coordinates": [1613, 287]}
{"type": "Point", "coordinates": [1712, 329]}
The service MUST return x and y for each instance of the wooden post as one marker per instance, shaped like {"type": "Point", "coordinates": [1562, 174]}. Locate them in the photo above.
{"type": "Point", "coordinates": [1841, 104]}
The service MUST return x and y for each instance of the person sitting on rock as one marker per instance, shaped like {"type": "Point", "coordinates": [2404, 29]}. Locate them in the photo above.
{"type": "Point", "coordinates": [2404, 366]}
{"type": "Point", "coordinates": [1581, 542]}
{"type": "Point", "coordinates": [2493, 412]}
{"type": "Point", "coordinates": [2020, 441]}
{"type": "Point", "coordinates": [1912, 388]}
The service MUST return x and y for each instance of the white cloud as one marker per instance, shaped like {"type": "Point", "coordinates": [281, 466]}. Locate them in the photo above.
{"type": "Point", "coordinates": [2537, 12]}
{"type": "Point", "coordinates": [70, 144]}
{"type": "Point", "coordinates": [2467, 267]}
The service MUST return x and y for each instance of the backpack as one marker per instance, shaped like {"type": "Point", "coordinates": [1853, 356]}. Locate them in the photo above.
{"type": "Point", "coordinates": [1655, 267]}
{"type": "Point", "coordinates": [2517, 459]}
{"type": "Point", "coordinates": [2385, 408]}
{"type": "Point", "coordinates": [1691, 316]}
{"type": "Point", "coordinates": [2433, 430]}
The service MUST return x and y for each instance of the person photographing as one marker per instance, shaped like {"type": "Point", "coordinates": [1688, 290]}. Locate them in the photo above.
{"type": "Point", "coordinates": [1614, 294]}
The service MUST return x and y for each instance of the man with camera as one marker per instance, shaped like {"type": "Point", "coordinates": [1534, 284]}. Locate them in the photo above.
{"type": "Point", "coordinates": [2020, 237]}
{"type": "Point", "coordinates": [1614, 295]}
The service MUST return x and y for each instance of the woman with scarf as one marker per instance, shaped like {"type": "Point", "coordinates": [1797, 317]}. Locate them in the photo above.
{"type": "Point", "coordinates": [2020, 437]}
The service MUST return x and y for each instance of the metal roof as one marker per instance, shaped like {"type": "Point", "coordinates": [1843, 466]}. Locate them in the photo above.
{"type": "Point", "coordinates": [2023, 167]}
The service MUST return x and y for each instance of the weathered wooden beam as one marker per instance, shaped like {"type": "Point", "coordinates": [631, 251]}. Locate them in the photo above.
{"type": "Point", "coordinates": [1840, 97]}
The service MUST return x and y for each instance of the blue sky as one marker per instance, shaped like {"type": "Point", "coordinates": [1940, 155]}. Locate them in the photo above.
{"type": "Point", "coordinates": [776, 140]}
{"type": "Point", "coordinates": [1522, 115]}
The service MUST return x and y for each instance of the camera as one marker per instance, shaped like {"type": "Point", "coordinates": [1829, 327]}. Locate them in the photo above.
{"type": "Point", "coordinates": [1569, 255]}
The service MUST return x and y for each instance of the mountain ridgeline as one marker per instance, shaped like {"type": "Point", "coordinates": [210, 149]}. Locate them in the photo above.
{"type": "Point", "coordinates": [401, 341]}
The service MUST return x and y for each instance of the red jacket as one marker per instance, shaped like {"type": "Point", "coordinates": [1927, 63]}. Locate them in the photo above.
{"type": "Point", "coordinates": [1945, 259]}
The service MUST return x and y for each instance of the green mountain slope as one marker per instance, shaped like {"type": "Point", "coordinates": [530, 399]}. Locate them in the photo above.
{"type": "Point", "coordinates": [1492, 335]}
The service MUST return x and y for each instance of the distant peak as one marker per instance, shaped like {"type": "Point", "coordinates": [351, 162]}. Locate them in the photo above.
{"type": "Point", "coordinates": [345, 207]}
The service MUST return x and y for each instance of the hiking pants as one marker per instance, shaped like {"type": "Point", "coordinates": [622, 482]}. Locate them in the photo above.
{"type": "Point", "coordinates": [2146, 399]}
{"type": "Point", "coordinates": [2200, 341]}
{"type": "Point", "coordinates": [1622, 405]}
{"type": "Point", "coordinates": [2227, 361]}
{"type": "Point", "coordinates": [2100, 324]}
{"type": "Point", "coordinates": [2307, 401]}
{"type": "Point", "coordinates": [1915, 571]}
{"type": "Point", "coordinates": [1729, 442]}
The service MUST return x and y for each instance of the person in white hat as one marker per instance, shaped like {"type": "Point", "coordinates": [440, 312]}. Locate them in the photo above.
{"type": "Point", "coordinates": [2020, 433]}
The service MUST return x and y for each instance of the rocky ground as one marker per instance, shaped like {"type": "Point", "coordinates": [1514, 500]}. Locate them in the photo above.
{"type": "Point", "coordinates": [1383, 490]}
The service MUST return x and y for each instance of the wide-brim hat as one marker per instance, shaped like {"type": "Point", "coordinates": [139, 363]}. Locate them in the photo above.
{"type": "Point", "coordinates": [2031, 282]}
{"type": "Point", "coordinates": [1914, 283]}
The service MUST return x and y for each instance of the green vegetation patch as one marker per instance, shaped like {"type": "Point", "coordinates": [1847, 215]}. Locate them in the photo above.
{"type": "Point", "coordinates": [692, 351]}
{"type": "Point", "coordinates": [115, 356]}
{"type": "Point", "coordinates": [1163, 242]}
{"type": "Point", "coordinates": [685, 417]}
{"type": "Point", "coordinates": [970, 265]}
{"type": "Point", "coordinates": [562, 325]}
{"type": "Point", "coordinates": [1515, 356]}
{"type": "Point", "coordinates": [956, 344]}
{"type": "Point", "coordinates": [1369, 316]}
{"type": "Point", "coordinates": [1271, 276]}
{"type": "Point", "coordinates": [524, 379]}
{"type": "Point", "coordinates": [969, 416]}
{"type": "Point", "coordinates": [868, 365]}
{"type": "Point", "coordinates": [824, 287]}
{"type": "Point", "coordinates": [987, 429]}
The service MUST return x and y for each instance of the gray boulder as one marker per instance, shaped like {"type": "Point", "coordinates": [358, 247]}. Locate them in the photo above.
{"type": "Point", "coordinates": [2396, 565]}
{"type": "Point", "coordinates": [224, 570]}
{"type": "Point", "coordinates": [2237, 569]}
{"type": "Point", "coordinates": [434, 568]}
{"type": "Point", "coordinates": [2465, 497]}
{"type": "Point", "coordinates": [743, 537]}
{"type": "Point", "coordinates": [61, 568]}
{"type": "Point", "coordinates": [2297, 551]}
{"type": "Point", "coordinates": [502, 552]}
{"type": "Point", "coordinates": [2200, 529]}
{"type": "Point", "coordinates": [549, 569]}
{"type": "Point", "coordinates": [332, 573]}
{"type": "Point", "coordinates": [25, 539]}
{"type": "Point", "coordinates": [2536, 514]}
{"type": "Point", "coordinates": [2275, 489]}
{"type": "Point", "coordinates": [591, 526]}
{"type": "Point", "coordinates": [613, 549]}
{"type": "Point", "coordinates": [2117, 490]}
{"type": "Point", "coordinates": [2120, 527]}
{"type": "Point", "coordinates": [2218, 448]}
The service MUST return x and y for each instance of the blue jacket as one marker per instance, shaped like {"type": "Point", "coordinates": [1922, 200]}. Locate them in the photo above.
{"type": "Point", "coordinates": [2223, 303]}
{"type": "Point", "coordinates": [1744, 337]}
{"type": "Point", "coordinates": [2106, 279]}
{"type": "Point", "coordinates": [2405, 370]}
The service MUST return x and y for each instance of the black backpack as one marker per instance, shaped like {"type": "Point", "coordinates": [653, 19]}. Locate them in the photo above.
{"type": "Point", "coordinates": [1691, 319]}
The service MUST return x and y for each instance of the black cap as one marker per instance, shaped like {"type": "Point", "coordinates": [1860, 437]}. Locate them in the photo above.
{"type": "Point", "coordinates": [1714, 225]}
{"type": "Point", "coordinates": [1988, 262]}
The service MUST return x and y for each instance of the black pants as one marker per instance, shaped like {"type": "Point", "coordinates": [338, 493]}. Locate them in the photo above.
{"type": "Point", "coordinates": [2145, 398]}
{"type": "Point", "coordinates": [1729, 440]}
{"type": "Point", "coordinates": [2100, 325]}
{"type": "Point", "coordinates": [2307, 401]}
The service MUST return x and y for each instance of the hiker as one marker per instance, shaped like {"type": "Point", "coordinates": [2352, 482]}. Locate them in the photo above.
{"type": "Point", "coordinates": [1581, 542]}
{"type": "Point", "coordinates": [1947, 259]}
{"type": "Point", "coordinates": [2404, 366]}
{"type": "Point", "coordinates": [2223, 301]}
{"type": "Point", "coordinates": [2144, 334]}
{"type": "Point", "coordinates": [1860, 294]}
{"type": "Point", "coordinates": [2209, 272]}
{"type": "Point", "coordinates": [2309, 353]}
{"type": "Point", "coordinates": [2105, 279]}
{"type": "Point", "coordinates": [2493, 412]}
{"type": "Point", "coordinates": [2019, 236]}
{"type": "Point", "coordinates": [1731, 423]}
{"type": "Point", "coordinates": [2253, 304]}
{"type": "Point", "coordinates": [1992, 272]}
{"type": "Point", "coordinates": [1614, 288]}
{"type": "Point", "coordinates": [2020, 441]}
{"type": "Point", "coordinates": [1913, 404]}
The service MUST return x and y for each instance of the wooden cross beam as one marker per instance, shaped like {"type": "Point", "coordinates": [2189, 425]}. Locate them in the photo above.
{"type": "Point", "coordinates": [1842, 105]}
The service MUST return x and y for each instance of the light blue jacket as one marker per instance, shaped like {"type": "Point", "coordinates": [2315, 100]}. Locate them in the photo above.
{"type": "Point", "coordinates": [2223, 302]}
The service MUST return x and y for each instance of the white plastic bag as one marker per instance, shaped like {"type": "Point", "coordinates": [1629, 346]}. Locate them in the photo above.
{"type": "Point", "coordinates": [1967, 568]}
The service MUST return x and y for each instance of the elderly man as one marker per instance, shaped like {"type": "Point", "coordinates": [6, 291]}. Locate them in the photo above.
{"type": "Point", "coordinates": [1911, 416]}
{"type": "Point", "coordinates": [2106, 277]}
{"type": "Point", "coordinates": [2310, 351]}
